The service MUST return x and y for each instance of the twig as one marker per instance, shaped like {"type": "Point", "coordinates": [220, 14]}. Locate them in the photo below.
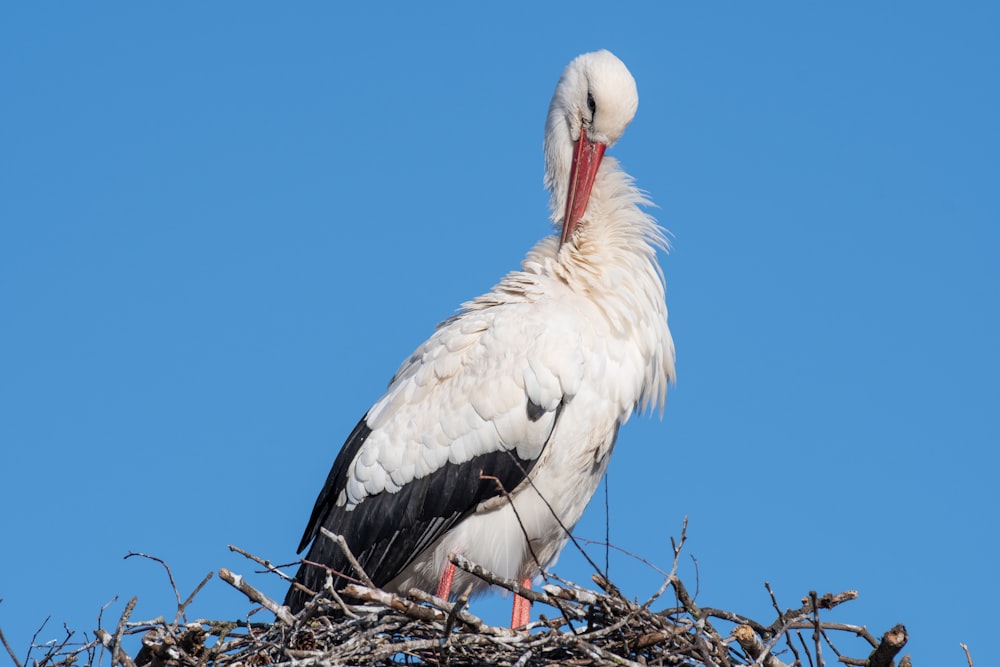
{"type": "Point", "coordinates": [653, 638]}
{"type": "Point", "coordinates": [774, 599]}
{"type": "Point", "coordinates": [467, 618]}
{"type": "Point", "coordinates": [858, 630]}
{"type": "Point", "coordinates": [56, 650]}
{"type": "Point", "coordinates": [624, 552]}
{"type": "Point", "coordinates": [237, 582]}
{"type": "Point", "coordinates": [118, 655]}
{"type": "Point", "coordinates": [10, 651]}
{"type": "Point", "coordinates": [170, 575]}
{"type": "Point", "coordinates": [783, 624]}
{"type": "Point", "coordinates": [816, 627]}
{"type": "Point", "coordinates": [524, 658]}
{"type": "Point", "coordinates": [329, 590]}
{"type": "Point", "coordinates": [769, 632]}
{"type": "Point", "coordinates": [456, 609]}
{"type": "Point", "coordinates": [739, 619]}
{"type": "Point", "coordinates": [574, 594]}
{"type": "Point", "coordinates": [703, 650]}
{"type": "Point", "coordinates": [678, 546]}
{"type": "Point", "coordinates": [260, 561]}
{"type": "Point", "coordinates": [597, 652]}
{"type": "Point", "coordinates": [183, 606]}
{"type": "Point", "coordinates": [414, 646]}
{"type": "Point", "coordinates": [805, 649]}
{"type": "Point", "coordinates": [689, 604]}
{"type": "Point", "coordinates": [968, 656]}
{"type": "Point", "coordinates": [668, 576]}
{"type": "Point", "coordinates": [34, 637]}
{"type": "Point", "coordinates": [464, 563]}
{"type": "Point", "coordinates": [809, 605]}
{"type": "Point", "coordinates": [349, 555]}
{"type": "Point", "coordinates": [391, 601]}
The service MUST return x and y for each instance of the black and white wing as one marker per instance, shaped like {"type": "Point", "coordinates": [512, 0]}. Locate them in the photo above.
{"type": "Point", "coordinates": [474, 405]}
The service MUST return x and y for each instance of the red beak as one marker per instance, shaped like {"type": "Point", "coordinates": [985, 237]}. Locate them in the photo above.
{"type": "Point", "coordinates": [586, 159]}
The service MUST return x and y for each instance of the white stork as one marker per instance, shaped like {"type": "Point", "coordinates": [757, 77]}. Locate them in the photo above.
{"type": "Point", "coordinates": [525, 388]}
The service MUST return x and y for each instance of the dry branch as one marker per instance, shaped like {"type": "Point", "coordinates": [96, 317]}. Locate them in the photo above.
{"type": "Point", "coordinates": [754, 647]}
{"type": "Point", "coordinates": [892, 642]}
{"type": "Point", "coordinates": [342, 543]}
{"type": "Point", "coordinates": [237, 582]}
{"type": "Point", "coordinates": [464, 563]}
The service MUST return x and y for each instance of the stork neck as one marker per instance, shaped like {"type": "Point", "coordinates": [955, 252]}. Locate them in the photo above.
{"type": "Point", "coordinates": [615, 221]}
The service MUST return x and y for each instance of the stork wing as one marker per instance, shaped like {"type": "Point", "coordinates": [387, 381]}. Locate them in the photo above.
{"type": "Point", "coordinates": [475, 405]}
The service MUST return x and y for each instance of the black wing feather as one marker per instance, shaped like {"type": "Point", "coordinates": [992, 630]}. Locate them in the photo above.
{"type": "Point", "coordinates": [387, 531]}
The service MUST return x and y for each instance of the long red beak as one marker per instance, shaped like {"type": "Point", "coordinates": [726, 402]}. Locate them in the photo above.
{"type": "Point", "coordinates": [586, 159]}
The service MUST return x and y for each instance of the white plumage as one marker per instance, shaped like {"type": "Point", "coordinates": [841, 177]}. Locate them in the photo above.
{"type": "Point", "coordinates": [528, 384]}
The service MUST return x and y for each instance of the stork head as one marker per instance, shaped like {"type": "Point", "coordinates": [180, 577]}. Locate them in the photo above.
{"type": "Point", "coordinates": [594, 102]}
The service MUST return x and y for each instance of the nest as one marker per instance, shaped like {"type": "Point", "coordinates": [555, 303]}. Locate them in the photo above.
{"type": "Point", "coordinates": [363, 625]}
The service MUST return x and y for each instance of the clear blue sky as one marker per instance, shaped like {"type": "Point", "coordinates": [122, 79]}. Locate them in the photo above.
{"type": "Point", "coordinates": [222, 228]}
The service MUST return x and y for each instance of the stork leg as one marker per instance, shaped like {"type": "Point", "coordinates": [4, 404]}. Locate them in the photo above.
{"type": "Point", "coordinates": [521, 614]}
{"type": "Point", "coordinates": [444, 583]}
{"type": "Point", "coordinates": [522, 608]}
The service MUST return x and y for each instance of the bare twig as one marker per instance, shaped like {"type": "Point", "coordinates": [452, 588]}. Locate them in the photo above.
{"type": "Point", "coordinates": [386, 599]}
{"type": "Point", "coordinates": [349, 555]}
{"type": "Point", "coordinates": [968, 656]}
{"type": "Point", "coordinates": [237, 582]}
{"type": "Point", "coordinates": [739, 619]}
{"type": "Point", "coordinates": [602, 655]}
{"type": "Point", "coordinates": [34, 637]}
{"type": "Point", "coordinates": [260, 561]}
{"type": "Point", "coordinates": [625, 552]}
{"type": "Point", "coordinates": [668, 576]}
{"type": "Point", "coordinates": [114, 642]}
{"type": "Point", "coordinates": [805, 650]}
{"type": "Point", "coordinates": [457, 608]}
{"type": "Point", "coordinates": [328, 590]}
{"type": "Point", "coordinates": [464, 563]}
{"type": "Point", "coordinates": [814, 603]}
{"type": "Point", "coordinates": [170, 575]}
{"type": "Point", "coordinates": [58, 648]}
{"type": "Point", "coordinates": [809, 605]}
{"type": "Point", "coordinates": [10, 651]}
{"type": "Point", "coordinates": [183, 606]}
{"type": "Point", "coordinates": [465, 617]}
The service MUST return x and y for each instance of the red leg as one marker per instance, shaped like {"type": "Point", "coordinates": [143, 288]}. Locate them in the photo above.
{"type": "Point", "coordinates": [521, 614]}
{"type": "Point", "coordinates": [444, 583]}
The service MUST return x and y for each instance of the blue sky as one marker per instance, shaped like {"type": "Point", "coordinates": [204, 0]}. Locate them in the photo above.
{"type": "Point", "coordinates": [223, 227]}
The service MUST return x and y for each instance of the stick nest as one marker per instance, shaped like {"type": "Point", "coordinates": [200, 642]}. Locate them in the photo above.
{"type": "Point", "coordinates": [363, 625]}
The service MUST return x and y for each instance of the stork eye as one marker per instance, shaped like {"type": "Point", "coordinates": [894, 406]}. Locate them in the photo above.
{"type": "Point", "coordinates": [591, 104]}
